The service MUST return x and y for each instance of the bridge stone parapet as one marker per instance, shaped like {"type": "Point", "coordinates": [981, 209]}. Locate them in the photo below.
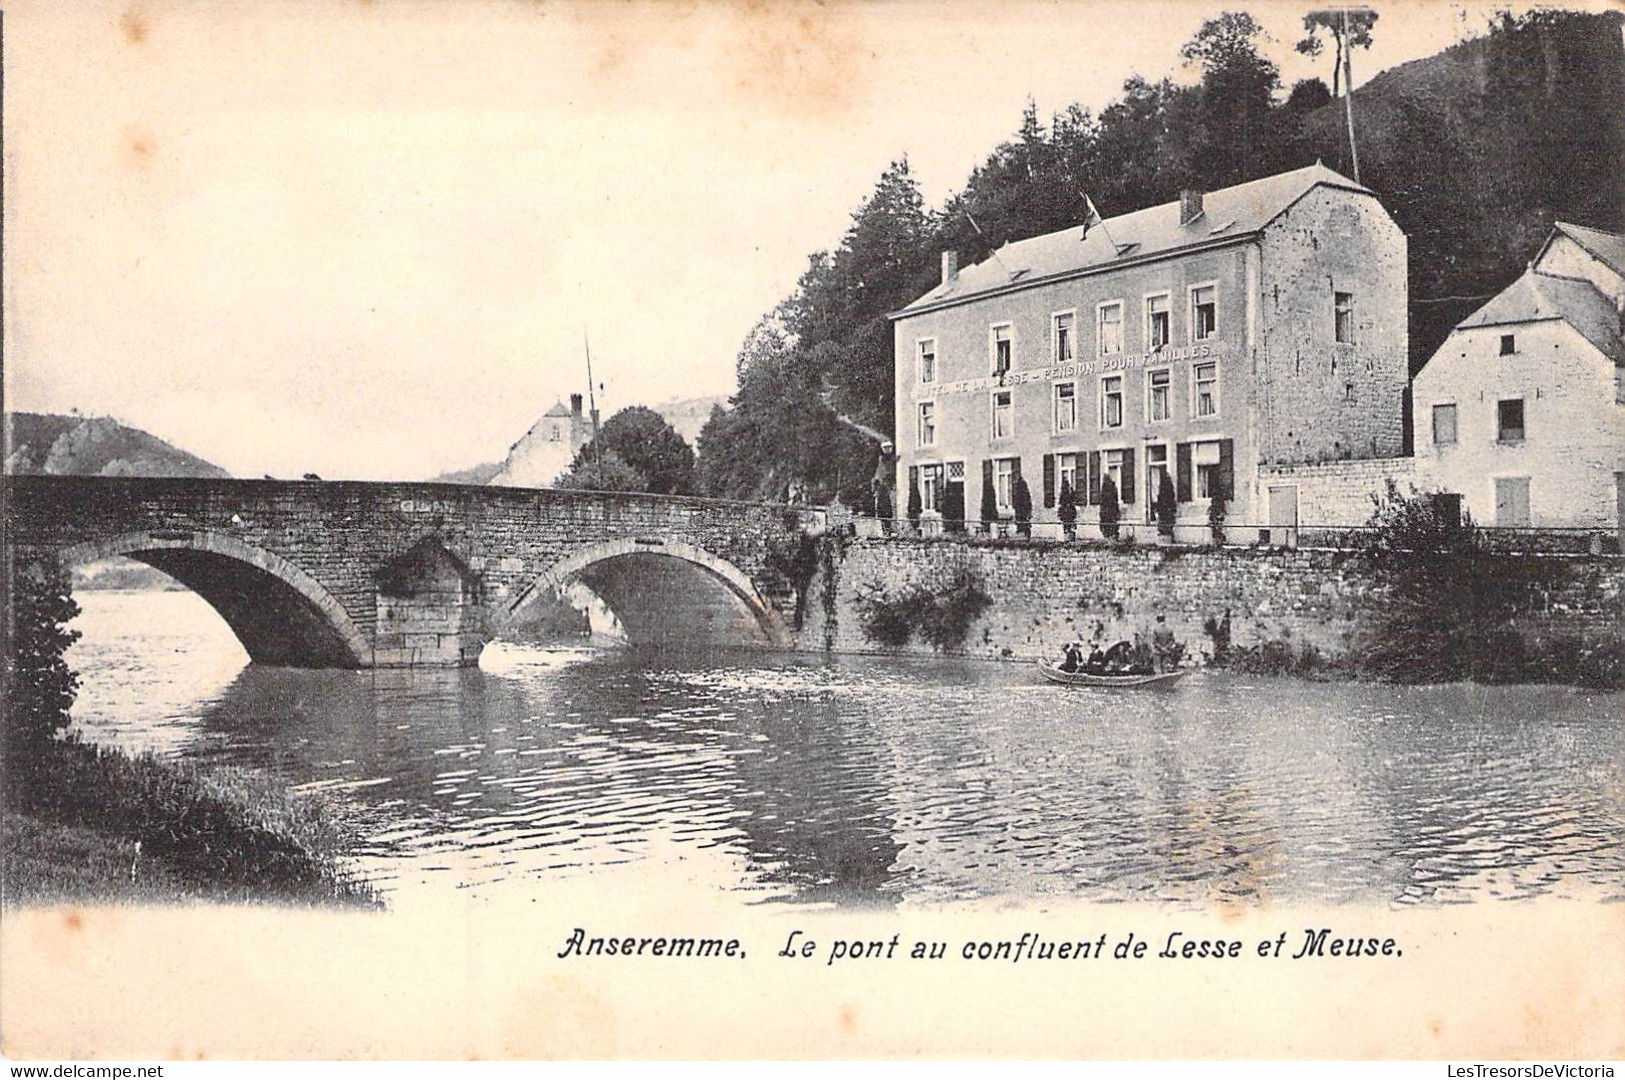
{"type": "Point", "coordinates": [361, 574]}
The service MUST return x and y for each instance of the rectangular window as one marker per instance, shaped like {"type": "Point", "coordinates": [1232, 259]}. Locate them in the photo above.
{"type": "Point", "coordinates": [1004, 419]}
{"type": "Point", "coordinates": [1112, 466]}
{"type": "Point", "coordinates": [1003, 348]}
{"type": "Point", "coordinates": [1509, 420]}
{"type": "Point", "coordinates": [1066, 407]}
{"type": "Point", "coordinates": [1111, 328]}
{"type": "Point", "coordinates": [1205, 389]}
{"type": "Point", "coordinates": [1004, 471]}
{"type": "Point", "coordinates": [1343, 304]}
{"type": "Point", "coordinates": [1066, 472]}
{"type": "Point", "coordinates": [1158, 391]}
{"type": "Point", "coordinates": [1156, 467]}
{"type": "Point", "coordinates": [1509, 344]}
{"type": "Point", "coordinates": [1444, 425]}
{"type": "Point", "coordinates": [928, 424]}
{"type": "Point", "coordinates": [928, 360]}
{"type": "Point", "coordinates": [1204, 312]}
{"type": "Point", "coordinates": [931, 488]}
{"type": "Point", "coordinates": [1061, 350]}
{"type": "Point", "coordinates": [1158, 328]}
{"type": "Point", "coordinates": [1205, 456]}
{"type": "Point", "coordinates": [1111, 401]}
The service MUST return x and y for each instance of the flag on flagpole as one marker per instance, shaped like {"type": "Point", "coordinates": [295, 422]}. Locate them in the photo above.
{"type": "Point", "coordinates": [1092, 218]}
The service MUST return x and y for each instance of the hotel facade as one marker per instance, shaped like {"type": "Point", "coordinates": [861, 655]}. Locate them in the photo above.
{"type": "Point", "coordinates": [1258, 325]}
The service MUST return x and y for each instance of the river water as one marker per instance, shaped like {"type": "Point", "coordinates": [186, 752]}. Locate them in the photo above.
{"type": "Point", "coordinates": [881, 782]}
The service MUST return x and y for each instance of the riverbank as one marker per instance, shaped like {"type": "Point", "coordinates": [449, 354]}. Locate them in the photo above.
{"type": "Point", "coordinates": [88, 825]}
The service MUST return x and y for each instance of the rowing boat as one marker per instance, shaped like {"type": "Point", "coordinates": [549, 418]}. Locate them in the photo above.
{"type": "Point", "coordinates": [1083, 678]}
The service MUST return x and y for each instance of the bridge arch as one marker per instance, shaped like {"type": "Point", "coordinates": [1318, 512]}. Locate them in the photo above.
{"type": "Point", "coordinates": [663, 591]}
{"type": "Point", "coordinates": [281, 614]}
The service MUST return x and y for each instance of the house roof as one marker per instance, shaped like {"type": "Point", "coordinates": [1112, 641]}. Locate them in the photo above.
{"type": "Point", "coordinates": [1607, 247]}
{"type": "Point", "coordinates": [558, 409]}
{"type": "Point", "coordinates": [1229, 214]}
{"type": "Point", "coordinates": [1537, 297]}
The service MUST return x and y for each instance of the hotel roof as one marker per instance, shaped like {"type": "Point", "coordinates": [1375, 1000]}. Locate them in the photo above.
{"type": "Point", "coordinates": [1228, 214]}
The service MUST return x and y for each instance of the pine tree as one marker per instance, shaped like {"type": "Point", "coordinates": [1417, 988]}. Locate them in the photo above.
{"type": "Point", "coordinates": [990, 507]}
{"type": "Point", "coordinates": [1022, 501]}
{"type": "Point", "coordinates": [1110, 510]}
{"type": "Point", "coordinates": [1166, 506]}
{"type": "Point", "coordinates": [1067, 510]}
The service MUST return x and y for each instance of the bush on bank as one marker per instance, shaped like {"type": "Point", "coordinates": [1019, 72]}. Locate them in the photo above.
{"type": "Point", "coordinates": [86, 823]}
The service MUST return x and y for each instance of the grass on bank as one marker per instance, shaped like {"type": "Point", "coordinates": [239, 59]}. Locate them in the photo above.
{"type": "Point", "coordinates": [86, 824]}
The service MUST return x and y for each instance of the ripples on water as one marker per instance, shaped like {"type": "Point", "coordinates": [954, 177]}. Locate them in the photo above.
{"type": "Point", "coordinates": [875, 781]}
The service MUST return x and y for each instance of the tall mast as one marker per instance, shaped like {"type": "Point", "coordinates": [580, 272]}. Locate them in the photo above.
{"type": "Point", "coordinates": [592, 398]}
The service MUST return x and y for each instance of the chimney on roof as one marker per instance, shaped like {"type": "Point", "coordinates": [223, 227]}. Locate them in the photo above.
{"type": "Point", "coordinates": [950, 267]}
{"type": "Point", "coordinates": [1190, 205]}
{"type": "Point", "coordinates": [575, 404]}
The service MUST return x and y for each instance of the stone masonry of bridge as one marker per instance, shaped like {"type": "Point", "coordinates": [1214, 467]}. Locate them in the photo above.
{"type": "Point", "coordinates": [354, 574]}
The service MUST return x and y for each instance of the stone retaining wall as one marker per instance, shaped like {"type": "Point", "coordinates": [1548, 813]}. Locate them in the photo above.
{"type": "Point", "coordinates": [1047, 594]}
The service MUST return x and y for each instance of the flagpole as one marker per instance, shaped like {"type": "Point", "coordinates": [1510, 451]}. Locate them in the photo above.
{"type": "Point", "coordinates": [592, 399]}
{"type": "Point", "coordinates": [963, 209]}
{"type": "Point", "coordinates": [1094, 212]}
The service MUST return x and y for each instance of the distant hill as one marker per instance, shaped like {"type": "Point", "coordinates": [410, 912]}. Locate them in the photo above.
{"type": "Point", "coordinates": [53, 445]}
{"type": "Point", "coordinates": [688, 415]}
{"type": "Point", "coordinates": [1478, 149]}
{"type": "Point", "coordinates": [474, 474]}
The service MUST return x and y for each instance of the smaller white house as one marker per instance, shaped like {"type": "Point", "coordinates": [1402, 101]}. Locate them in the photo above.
{"type": "Point", "coordinates": [1522, 410]}
{"type": "Point", "coordinates": [546, 451]}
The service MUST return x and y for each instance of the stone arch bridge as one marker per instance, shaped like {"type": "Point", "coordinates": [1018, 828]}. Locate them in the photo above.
{"type": "Point", "coordinates": [359, 574]}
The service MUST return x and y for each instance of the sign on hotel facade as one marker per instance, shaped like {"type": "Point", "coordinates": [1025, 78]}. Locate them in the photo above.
{"type": "Point", "coordinates": [1200, 342]}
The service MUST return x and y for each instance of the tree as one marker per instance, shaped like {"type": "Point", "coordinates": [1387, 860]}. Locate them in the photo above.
{"type": "Point", "coordinates": [1217, 507]}
{"type": "Point", "coordinates": [644, 440]}
{"type": "Point", "coordinates": [40, 686]}
{"type": "Point", "coordinates": [915, 507]}
{"type": "Point", "coordinates": [1165, 506]}
{"type": "Point", "coordinates": [1067, 510]}
{"type": "Point", "coordinates": [1110, 510]}
{"type": "Point", "coordinates": [607, 473]}
{"type": "Point", "coordinates": [1022, 502]}
{"type": "Point", "coordinates": [953, 508]}
{"type": "Point", "coordinates": [1308, 95]}
{"type": "Point", "coordinates": [1237, 96]}
{"type": "Point", "coordinates": [1348, 27]}
{"type": "Point", "coordinates": [990, 506]}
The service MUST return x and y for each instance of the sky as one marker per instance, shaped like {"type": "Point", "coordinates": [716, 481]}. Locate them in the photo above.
{"type": "Point", "coordinates": [371, 239]}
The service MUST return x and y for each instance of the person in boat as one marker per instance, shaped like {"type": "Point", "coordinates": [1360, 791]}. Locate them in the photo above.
{"type": "Point", "coordinates": [1162, 646]}
{"type": "Point", "coordinates": [1072, 657]}
{"type": "Point", "coordinates": [1119, 659]}
{"type": "Point", "coordinates": [1096, 664]}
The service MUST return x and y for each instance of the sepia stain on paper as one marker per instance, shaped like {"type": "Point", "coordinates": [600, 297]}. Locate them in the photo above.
{"type": "Point", "coordinates": [138, 149]}
{"type": "Point", "coordinates": [134, 25]}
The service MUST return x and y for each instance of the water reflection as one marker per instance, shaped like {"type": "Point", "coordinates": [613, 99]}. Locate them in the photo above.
{"type": "Point", "coordinates": [879, 782]}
